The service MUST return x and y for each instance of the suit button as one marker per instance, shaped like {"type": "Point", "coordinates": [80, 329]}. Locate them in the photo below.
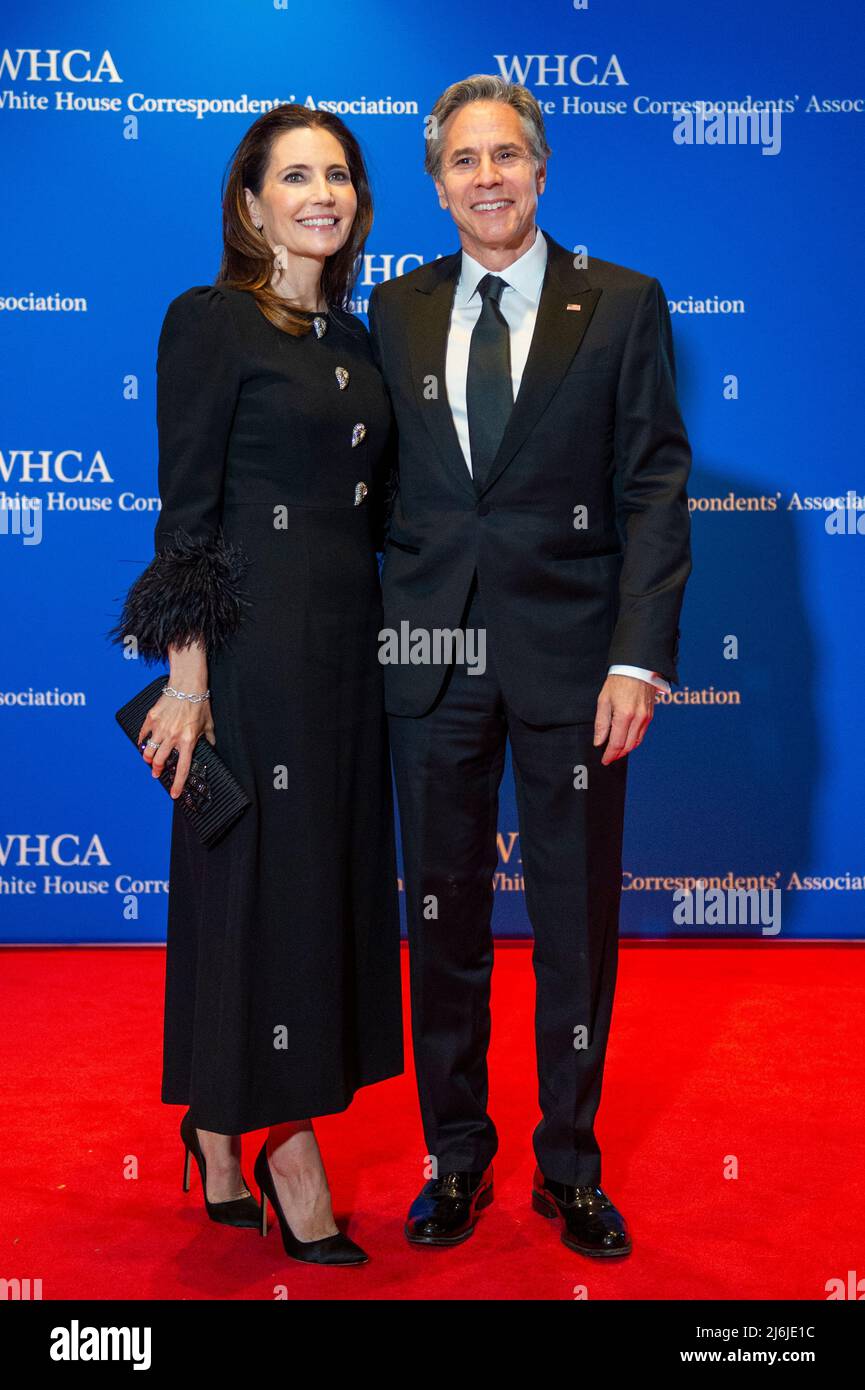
{"type": "Point", "coordinates": [484, 508]}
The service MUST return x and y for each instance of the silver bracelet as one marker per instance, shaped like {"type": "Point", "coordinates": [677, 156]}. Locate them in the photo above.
{"type": "Point", "coordinates": [181, 695]}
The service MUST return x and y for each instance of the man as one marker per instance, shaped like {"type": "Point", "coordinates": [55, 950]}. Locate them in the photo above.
{"type": "Point", "coordinates": [542, 507]}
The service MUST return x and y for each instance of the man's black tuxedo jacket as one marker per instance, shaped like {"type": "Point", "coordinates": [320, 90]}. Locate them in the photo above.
{"type": "Point", "coordinates": [596, 425]}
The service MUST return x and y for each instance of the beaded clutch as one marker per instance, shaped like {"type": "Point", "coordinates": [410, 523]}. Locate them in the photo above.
{"type": "Point", "coordinates": [212, 799]}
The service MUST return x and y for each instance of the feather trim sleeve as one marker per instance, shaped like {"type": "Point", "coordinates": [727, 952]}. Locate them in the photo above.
{"type": "Point", "coordinates": [191, 591]}
{"type": "Point", "coordinates": [192, 588]}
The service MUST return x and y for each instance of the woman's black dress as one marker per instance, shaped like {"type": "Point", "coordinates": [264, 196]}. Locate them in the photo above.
{"type": "Point", "coordinates": [282, 984]}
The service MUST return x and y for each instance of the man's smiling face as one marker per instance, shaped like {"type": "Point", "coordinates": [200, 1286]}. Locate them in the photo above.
{"type": "Point", "coordinates": [489, 181]}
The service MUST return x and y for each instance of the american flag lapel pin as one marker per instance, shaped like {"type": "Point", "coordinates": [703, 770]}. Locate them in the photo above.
{"type": "Point", "coordinates": [574, 306]}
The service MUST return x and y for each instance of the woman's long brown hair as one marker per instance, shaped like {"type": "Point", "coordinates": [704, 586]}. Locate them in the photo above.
{"type": "Point", "coordinates": [247, 257]}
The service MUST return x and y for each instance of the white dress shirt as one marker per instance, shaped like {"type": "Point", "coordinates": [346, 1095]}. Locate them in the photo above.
{"type": "Point", "coordinates": [519, 305]}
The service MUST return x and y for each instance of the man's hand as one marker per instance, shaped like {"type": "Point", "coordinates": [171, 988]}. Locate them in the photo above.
{"type": "Point", "coordinates": [626, 707]}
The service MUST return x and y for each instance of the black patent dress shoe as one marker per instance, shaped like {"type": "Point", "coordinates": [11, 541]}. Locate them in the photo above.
{"type": "Point", "coordinates": [590, 1223]}
{"type": "Point", "coordinates": [444, 1212]}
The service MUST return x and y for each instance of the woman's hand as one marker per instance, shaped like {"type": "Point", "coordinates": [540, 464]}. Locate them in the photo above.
{"type": "Point", "coordinates": [175, 724]}
{"type": "Point", "coordinates": [179, 724]}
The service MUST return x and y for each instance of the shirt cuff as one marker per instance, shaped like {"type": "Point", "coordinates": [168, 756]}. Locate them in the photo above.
{"type": "Point", "coordinates": [641, 674]}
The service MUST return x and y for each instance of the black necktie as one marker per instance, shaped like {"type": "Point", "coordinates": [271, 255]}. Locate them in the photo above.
{"type": "Point", "coordinates": [489, 398]}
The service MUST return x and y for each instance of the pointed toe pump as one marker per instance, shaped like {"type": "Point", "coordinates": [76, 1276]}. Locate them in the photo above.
{"type": "Point", "coordinates": [332, 1250]}
{"type": "Point", "coordinates": [237, 1211]}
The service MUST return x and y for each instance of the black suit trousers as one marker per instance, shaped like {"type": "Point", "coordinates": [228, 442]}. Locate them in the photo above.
{"type": "Point", "coordinates": [448, 766]}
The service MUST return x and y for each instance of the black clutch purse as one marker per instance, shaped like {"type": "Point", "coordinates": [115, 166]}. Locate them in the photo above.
{"type": "Point", "coordinates": [212, 799]}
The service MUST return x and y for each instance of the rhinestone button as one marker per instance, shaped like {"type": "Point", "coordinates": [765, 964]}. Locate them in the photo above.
{"type": "Point", "coordinates": [357, 434]}
{"type": "Point", "coordinates": [360, 493]}
{"type": "Point", "coordinates": [341, 376]}
{"type": "Point", "coordinates": [320, 326]}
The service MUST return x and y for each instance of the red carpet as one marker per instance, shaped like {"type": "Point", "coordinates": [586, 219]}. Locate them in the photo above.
{"type": "Point", "coordinates": [753, 1051]}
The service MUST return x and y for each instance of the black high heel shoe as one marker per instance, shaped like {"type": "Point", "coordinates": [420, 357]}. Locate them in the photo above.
{"type": "Point", "coordinates": [332, 1250]}
{"type": "Point", "coordinates": [237, 1211]}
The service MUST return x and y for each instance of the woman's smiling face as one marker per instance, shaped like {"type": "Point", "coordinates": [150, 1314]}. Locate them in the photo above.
{"type": "Point", "coordinates": [307, 201]}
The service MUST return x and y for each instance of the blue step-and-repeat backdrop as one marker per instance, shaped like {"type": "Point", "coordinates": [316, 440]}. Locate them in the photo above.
{"type": "Point", "coordinates": [716, 146]}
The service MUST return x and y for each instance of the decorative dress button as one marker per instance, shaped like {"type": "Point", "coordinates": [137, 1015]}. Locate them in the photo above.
{"type": "Point", "coordinates": [342, 377]}
{"type": "Point", "coordinates": [320, 326]}
{"type": "Point", "coordinates": [357, 434]}
{"type": "Point", "coordinates": [360, 493]}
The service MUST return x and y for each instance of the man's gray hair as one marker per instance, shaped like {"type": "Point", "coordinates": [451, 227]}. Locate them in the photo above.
{"type": "Point", "coordinates": [484, 87]}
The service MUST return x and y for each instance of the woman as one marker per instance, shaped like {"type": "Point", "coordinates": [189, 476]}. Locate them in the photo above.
{"type": "Point", "coordinates": [282, 986]}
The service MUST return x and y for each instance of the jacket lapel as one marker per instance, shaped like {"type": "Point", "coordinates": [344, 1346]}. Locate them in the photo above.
{"type": "Point", "coordinates": [436, 288]}
{"type": "Point", "coordinates": [557, 336]}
